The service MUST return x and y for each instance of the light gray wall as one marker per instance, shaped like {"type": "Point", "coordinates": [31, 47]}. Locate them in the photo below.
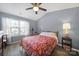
{"type": "Point", "coordinates": [0, 23]}
{"type": "Point", "coordinates": [54, 22]}
{"type": "Point", "coordinates": [32, 24]}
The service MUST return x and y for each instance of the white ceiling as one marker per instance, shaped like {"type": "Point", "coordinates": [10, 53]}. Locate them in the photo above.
{"type": "Point", "coordinates": [19, 9]}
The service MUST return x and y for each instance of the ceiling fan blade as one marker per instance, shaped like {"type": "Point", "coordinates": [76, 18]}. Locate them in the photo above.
{"type": "Point", "coordinates": [36, 12]}
{"type": "Point", "coordinates": [36, 4]}
{"type": "Point", "coordinates": [40, 3]}
{"type": "Point", "coordinates": [32, 3]}
{"type": "Point", "coordinates": [29, 8]}
{"type": "Point", "coordinates": [42, 9]}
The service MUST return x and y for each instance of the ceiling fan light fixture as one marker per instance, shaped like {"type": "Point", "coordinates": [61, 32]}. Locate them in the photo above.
{"type": "Point", "coordinates": [35, 8]}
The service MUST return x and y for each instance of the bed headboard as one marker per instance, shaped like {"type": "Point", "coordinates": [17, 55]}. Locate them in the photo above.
{"type": "Point", "coordinates": [53, 32]}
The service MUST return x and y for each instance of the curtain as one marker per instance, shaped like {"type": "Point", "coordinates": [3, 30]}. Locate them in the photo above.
{"type": "Point", "coordinates": [14, 27]}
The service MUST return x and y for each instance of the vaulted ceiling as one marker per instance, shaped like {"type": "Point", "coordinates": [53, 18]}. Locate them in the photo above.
{"type": "Point", "coordinates": [19, 9]}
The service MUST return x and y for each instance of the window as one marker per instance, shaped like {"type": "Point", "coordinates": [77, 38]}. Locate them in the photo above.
{"type": "Point", "coordinates": [15, 27]}
{"type": "Point", "coordinates": [24, 28]}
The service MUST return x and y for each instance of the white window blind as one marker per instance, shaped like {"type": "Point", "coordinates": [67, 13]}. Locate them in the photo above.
{"type": "Point", "coordinates": [15, 27]}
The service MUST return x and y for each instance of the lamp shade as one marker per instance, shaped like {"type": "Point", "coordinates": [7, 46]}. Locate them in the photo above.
{"type": "Point", "coordinates": [66, 26]}
{"type": "Point", "coordinates": [35, 8]}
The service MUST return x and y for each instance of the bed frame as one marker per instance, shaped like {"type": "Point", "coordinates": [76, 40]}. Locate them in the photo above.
{"type": "Point", "coordinates": [45, 31]}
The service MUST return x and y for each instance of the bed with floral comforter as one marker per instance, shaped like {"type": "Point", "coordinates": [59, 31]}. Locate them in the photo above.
{"type": "Point", "coordinates": [39, 45]}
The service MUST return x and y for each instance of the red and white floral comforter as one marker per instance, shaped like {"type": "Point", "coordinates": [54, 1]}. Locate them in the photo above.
{"type": "Point", "coordinates": [39, 45]}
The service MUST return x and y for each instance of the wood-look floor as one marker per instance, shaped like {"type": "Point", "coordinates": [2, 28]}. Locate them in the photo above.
{"type": "Point", "coordinates": [16, 50]}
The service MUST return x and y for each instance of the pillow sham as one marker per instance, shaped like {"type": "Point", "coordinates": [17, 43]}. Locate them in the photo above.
{"type": "Point", "coordinates": [50, 34]}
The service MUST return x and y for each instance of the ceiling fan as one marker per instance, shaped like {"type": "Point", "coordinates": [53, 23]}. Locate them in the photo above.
{"type": "Point", "coordinates": [36, 7]}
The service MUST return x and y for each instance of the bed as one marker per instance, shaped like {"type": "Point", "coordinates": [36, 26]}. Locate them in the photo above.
{"type": "Point", "coordinates": [40, 45]}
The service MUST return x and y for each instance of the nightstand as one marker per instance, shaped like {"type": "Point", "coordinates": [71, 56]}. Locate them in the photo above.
{"type": "Point", "coordinates": [35, 34]}
{"type": "Point", "coordinates": [67, 41]}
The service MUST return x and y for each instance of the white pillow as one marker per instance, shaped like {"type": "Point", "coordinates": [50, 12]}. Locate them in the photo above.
{"type": "Point", "coordinates": [50, 34]}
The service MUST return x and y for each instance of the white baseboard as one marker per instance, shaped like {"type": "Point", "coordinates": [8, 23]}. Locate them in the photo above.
{"type": "Point", "coordinates": [75, 49]}
{"type": "Point", "coordinates": [72, 48]}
